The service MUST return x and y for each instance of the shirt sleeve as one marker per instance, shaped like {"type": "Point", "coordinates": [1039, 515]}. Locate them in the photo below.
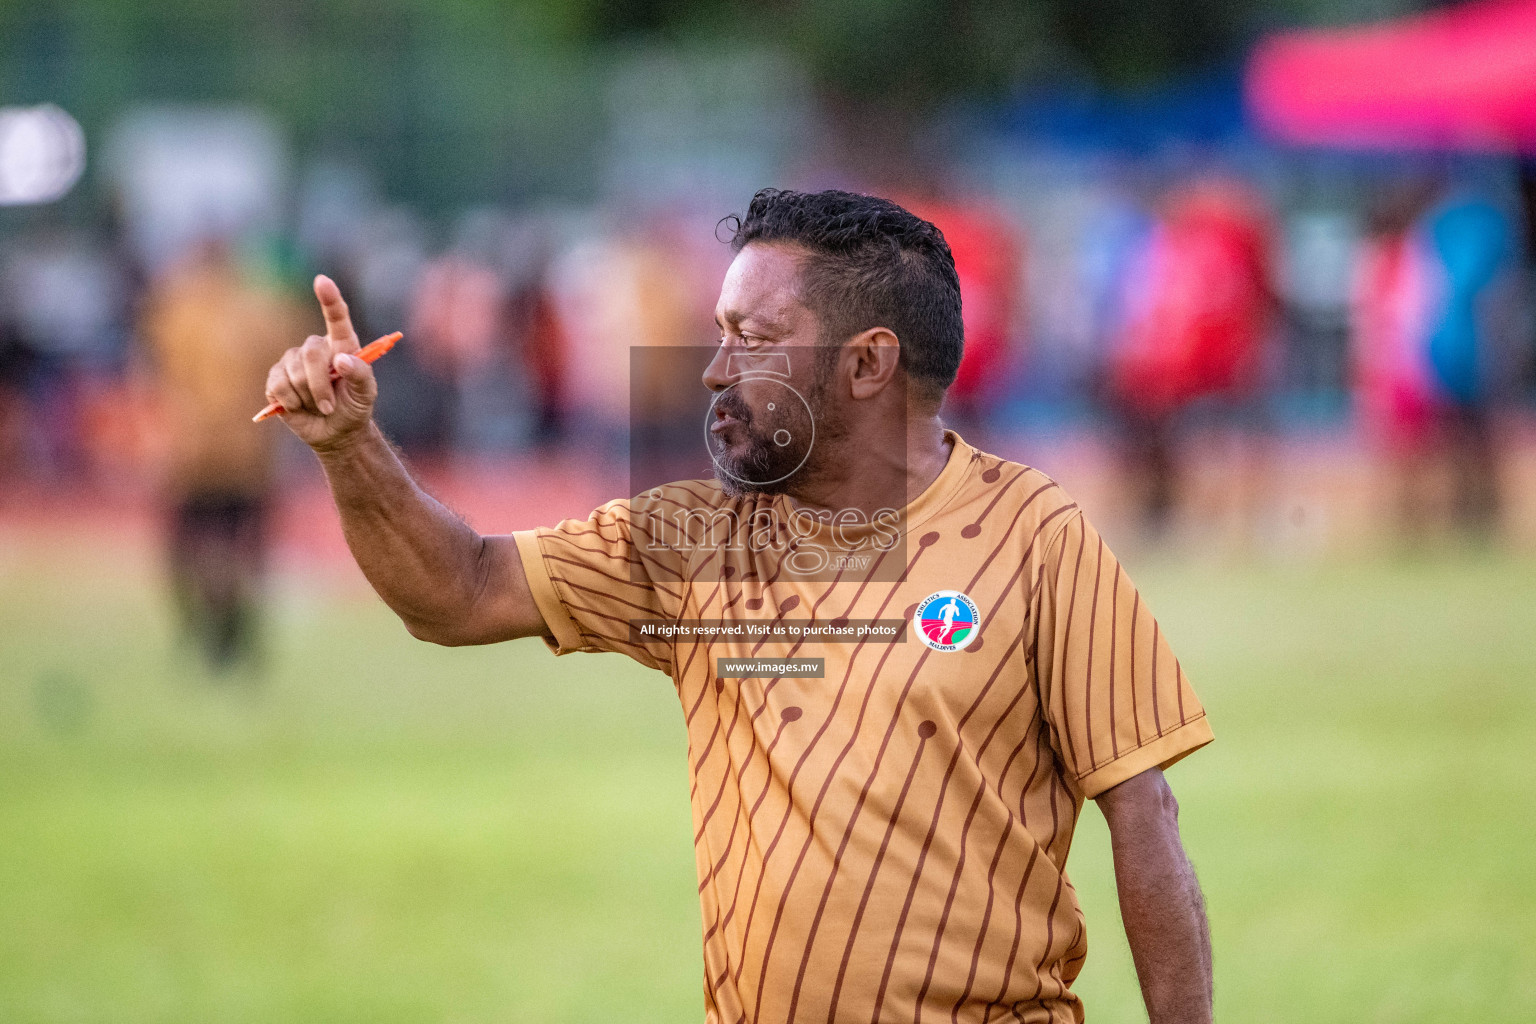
{"type": "Point", "coordinates": [1113, 694]}
{"type": "Point", "coordinates": [591, 578]}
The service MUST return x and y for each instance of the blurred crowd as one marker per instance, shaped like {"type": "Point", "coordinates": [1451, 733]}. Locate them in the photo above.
{"type": "Point", "coordinates": [1142, 308]}
{"type": "Point", "coordinates": [519, 321]}
{"type": "Point", "coordinates": [1145, 305]}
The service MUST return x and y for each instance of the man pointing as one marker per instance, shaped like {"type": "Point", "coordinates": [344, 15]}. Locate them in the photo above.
{"type": "Point", "coordinates": [886, 841]}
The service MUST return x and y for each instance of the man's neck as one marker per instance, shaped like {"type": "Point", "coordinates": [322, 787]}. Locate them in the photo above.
{"type": "Point", "coordinates": [879, 469]}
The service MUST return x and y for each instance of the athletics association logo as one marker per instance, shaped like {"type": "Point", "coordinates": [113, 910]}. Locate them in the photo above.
{"type": "Point", "coordinates": [946, 620]}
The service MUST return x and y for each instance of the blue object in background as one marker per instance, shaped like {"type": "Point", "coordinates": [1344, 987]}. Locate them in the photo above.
{"type": "Point", "coordinates": [1471, 240]}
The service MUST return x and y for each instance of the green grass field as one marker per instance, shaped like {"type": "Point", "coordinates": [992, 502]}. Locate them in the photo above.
{"type": "Point", "coordinates": [389, 831]}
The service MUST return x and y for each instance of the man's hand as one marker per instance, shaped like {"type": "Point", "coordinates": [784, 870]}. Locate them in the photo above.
{"type": "Point", "coordinates": [446, 582]}
{"type": "Point", "coordinates": [325, 415]}
{"type": "Point", "coordinates": [1160, 900]}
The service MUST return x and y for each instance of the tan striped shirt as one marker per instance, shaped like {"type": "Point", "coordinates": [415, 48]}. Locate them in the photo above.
{"type": "Point", "coordinates": [888, 842]}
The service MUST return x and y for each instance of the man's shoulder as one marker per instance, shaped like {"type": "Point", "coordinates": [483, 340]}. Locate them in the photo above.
{"type": "Point", "coordinates": [687, 514]}
{"type": "Point", "coordinates": [700, 495]}
{"type": "Point", "coordinates": [1014, 489]}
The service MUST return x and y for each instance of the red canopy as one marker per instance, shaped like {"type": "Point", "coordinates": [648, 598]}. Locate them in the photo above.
{"type": "Point", "coordinates": [1457, 79]}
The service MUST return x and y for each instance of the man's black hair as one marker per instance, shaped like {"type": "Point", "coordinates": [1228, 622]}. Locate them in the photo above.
{"type": "Point", "coordinates": [868, 263]}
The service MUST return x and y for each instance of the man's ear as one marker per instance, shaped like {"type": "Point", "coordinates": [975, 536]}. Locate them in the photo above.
{"type": "Point", "coordinates": [873, 357]}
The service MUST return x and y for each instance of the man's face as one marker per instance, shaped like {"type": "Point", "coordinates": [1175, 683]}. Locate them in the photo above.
{"type": "Point", "coordinates": [772, 380]}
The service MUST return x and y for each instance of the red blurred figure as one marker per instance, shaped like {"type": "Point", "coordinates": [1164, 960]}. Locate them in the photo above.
{"type": "Point", "coordinates": [1429, 296]}
{"type": "Point", "coordinates": [989, 259]}
{"type": "Point", "coordinates": [1198, 310]}
{"type": "Point", "coordinates": [1392, 296]}
{"type": "Point", "coordinates": [544, 355]}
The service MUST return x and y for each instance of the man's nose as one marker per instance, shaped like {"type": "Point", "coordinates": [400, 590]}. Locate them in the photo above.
{"type": "Point", "coordinates": [716, 375]}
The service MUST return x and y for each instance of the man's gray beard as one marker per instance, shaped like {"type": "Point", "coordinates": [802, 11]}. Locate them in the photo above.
{"type": "Point", "coordinates": [761, 462]}
{"type": "Point", "coordinates": [780, 469]}
{"type": "Point", "coordinates": [737, 488]}
{"type": "Point", "coordinates": [765, 461]}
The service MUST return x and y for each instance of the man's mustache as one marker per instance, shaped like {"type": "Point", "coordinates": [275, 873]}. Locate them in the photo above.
{"type": "Point", "coordinates": [732, 404]}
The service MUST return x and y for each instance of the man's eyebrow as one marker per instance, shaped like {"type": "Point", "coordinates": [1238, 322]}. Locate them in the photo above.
{"type": "Point", "coordinates": [736, 318]}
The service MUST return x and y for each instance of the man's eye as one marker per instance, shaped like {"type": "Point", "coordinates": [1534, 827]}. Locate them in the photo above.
{"type": "Point", "coordinates": [747, 341]}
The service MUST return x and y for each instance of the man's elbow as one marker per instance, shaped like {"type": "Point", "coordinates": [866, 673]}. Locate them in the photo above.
{"type": "Point", "coordinates": [439, 633]}
{"type": "Point", "coordinates": [469, 631]}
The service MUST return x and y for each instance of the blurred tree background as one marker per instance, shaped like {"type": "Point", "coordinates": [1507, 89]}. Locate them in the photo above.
{"type": "Point", "coordinates": [496, 101]}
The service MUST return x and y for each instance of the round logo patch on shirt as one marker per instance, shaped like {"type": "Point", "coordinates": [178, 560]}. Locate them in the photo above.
{"type": "Point", "coordinates": [946, 620]}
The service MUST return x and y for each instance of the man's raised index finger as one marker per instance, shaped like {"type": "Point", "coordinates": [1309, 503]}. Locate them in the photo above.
{"type": "Point", "coordinates": [338, 320]}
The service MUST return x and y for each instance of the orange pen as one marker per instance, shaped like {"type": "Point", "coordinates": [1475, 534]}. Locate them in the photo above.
{"type": "Point", "coordinates": [368, 353]}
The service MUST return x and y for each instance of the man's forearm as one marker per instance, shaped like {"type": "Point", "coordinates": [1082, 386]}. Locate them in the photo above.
{"type": "Point", "coordinates": [1160, 902]}
{"type": "Point", "coordinates": [1170, 941]}
{"type": "Point", "coordinates": [424, 561]}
